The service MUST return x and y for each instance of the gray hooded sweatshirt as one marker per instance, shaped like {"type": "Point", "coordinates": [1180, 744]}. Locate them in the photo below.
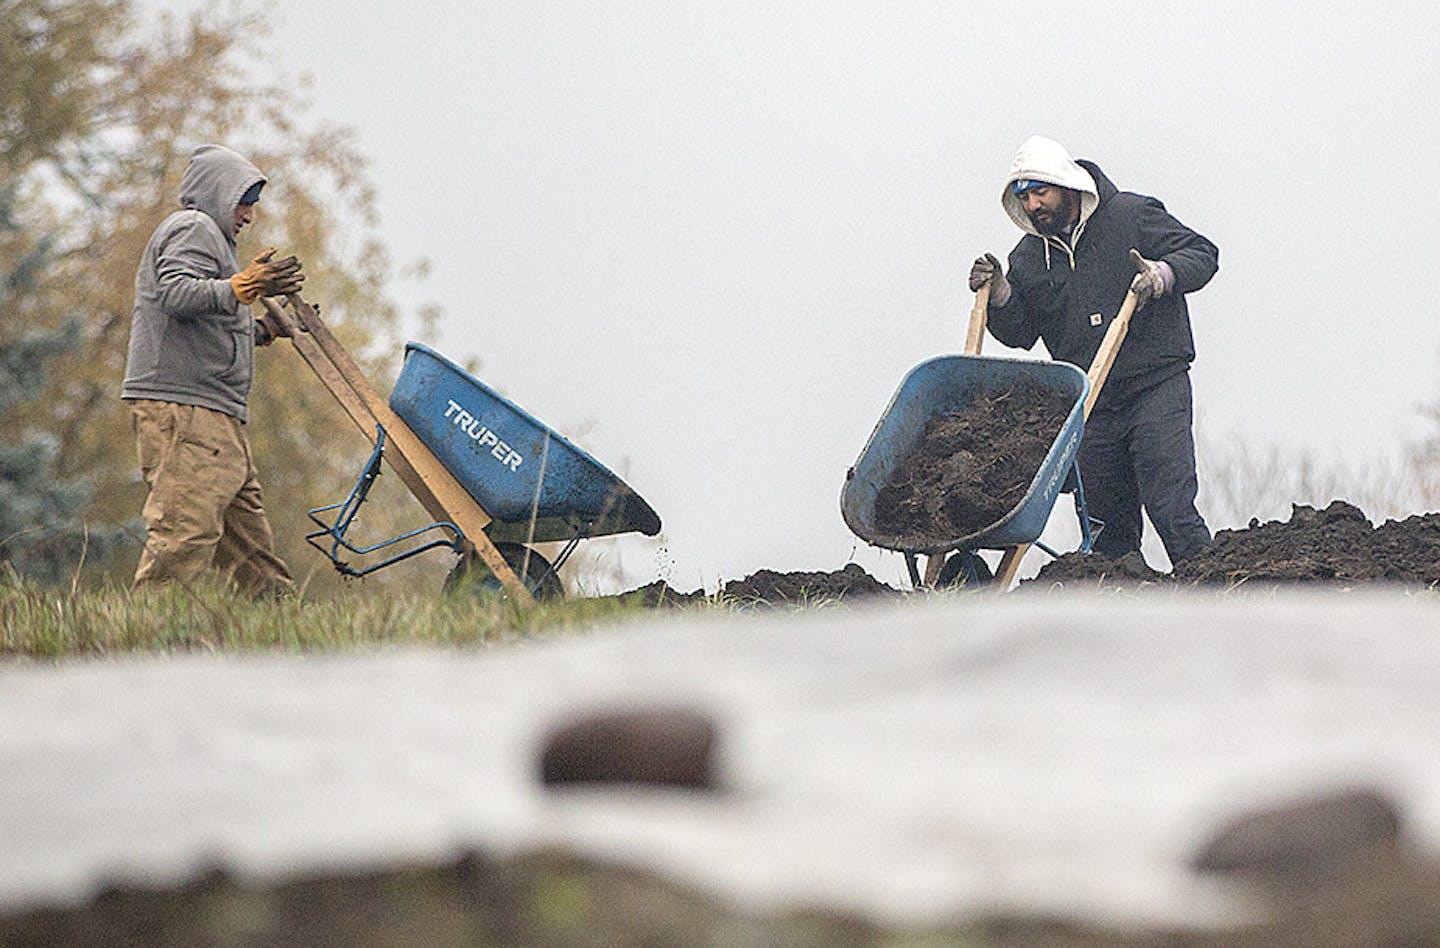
{"type": "Point", "coordinates": [191, 341]}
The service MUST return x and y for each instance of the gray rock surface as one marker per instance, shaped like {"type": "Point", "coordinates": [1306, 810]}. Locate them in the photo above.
{"type": "Point", "coordinates": [915, 762]}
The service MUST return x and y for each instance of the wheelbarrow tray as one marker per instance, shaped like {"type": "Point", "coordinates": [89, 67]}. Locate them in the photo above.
{"type": "Point", "coordinates": [948, 384]}
{"type": "Point", "coordinates": [535, 483]}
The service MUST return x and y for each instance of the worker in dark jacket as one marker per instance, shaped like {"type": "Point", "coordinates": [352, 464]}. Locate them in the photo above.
{"type": "Point", "coordinates": [1085, 245]}
{"type": "Point", "coordinates": [187, 378]}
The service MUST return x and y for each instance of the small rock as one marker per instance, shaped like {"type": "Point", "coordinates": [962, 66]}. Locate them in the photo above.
{"type": "Point", "coordinates": [1314, 833]}
{"type": "Point", "coordinates": [661, 746]}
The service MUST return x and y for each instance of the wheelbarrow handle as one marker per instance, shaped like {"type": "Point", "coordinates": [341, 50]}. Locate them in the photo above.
{"type": "Point", "coordinates": [1109, 348]}
{"type": "Point", "coordinates": [974, 339]}
{"type": "Point", "coordinates": [975, 336]}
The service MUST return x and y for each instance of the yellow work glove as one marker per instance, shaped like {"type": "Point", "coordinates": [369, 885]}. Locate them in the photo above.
{"type": "Point", "coordinates": [266, 277]}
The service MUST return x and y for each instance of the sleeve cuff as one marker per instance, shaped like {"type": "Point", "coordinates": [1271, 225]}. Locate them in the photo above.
{"type": "Point", "coordinates": [1167, 276]}
{"type": "Point", "coordinates": [1000, 292]}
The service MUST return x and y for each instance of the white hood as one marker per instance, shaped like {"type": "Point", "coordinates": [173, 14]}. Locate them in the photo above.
{"type": "Point", "coordinates": [1043, 159]}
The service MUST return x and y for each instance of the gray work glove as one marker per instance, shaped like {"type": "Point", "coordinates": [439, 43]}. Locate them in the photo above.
{"type": "Point", "coordinates": [987, 269]}
{"type": "Point", "coordinates": [1149, 281]}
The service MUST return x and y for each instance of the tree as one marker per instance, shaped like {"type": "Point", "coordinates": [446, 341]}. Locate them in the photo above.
{"type": "Point", "coordinates": [49, 54]}
{"type": "Point", "coordinates": [42, 533]}
{"type": "Point", "coordinates": [97, 121]}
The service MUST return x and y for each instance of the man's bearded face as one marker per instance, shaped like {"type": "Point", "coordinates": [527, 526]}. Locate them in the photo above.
{"type": "Point", "coordinates": [1052, 209]}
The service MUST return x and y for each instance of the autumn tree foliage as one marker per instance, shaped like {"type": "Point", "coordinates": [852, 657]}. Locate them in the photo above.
{"type": "Point", "coordinates": [98, 116]}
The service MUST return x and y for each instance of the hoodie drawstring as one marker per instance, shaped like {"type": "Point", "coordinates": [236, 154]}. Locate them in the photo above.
{"type": "Point", "coordinates": [1067, 246]}
{"type": "Point", "coordinates": [1069, 253]}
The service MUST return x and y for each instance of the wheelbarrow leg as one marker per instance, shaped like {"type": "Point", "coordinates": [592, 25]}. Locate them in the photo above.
{"type": "Point", "coordinates": [1010, 566]}
{"type": "Point", "coordinates": [914, 570]}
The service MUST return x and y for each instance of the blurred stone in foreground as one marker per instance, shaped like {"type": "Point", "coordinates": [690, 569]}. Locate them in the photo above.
{"type": "Point", "coordinates": [1320, 833]}
{"type": "Point", "coordinates": [663, 746]}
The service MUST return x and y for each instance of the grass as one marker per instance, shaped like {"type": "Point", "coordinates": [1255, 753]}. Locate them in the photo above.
{"type": "Point", "coordinates": [46, 622]}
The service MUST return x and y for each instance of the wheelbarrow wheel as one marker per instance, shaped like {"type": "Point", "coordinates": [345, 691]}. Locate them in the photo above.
{"type": "Point", "coordinates": [964, 568]}
{"type": "Point", "coordinates": [472, 575]}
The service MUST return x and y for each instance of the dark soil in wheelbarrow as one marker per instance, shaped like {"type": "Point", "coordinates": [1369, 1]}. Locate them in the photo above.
{"type": "Point", "coordinates": [1336, 546]}
{"type": "Point", "coordinates": [972, 466]}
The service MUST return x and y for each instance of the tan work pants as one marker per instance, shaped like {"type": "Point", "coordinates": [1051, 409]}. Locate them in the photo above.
{"type": "Point", "coordinates": [204, 508]}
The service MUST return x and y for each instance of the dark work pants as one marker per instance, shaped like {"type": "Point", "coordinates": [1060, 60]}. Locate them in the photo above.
{"type": "Point", "coordinates": [1141, 453]}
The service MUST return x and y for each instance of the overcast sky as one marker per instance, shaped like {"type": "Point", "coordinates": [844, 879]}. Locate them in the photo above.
{"type": "Point", "coordinates": [710, 239]}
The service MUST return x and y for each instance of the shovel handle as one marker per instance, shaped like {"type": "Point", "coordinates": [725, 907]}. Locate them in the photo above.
{"type": "Point", "coordinates": [975, 336]}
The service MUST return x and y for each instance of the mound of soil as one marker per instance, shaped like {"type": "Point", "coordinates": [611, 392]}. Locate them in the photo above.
{"type": "Point", "coordinates": [1330, 545]}
{"type": "Point", "coordinates": [770, 588]}
{"type": "Point", "coordinates": [972, 466]}
{"type": "Point", "coordinates": [1081, 569]}
{"type": "Point", "coordinates": [1336, 545]}
{"type": "Point", "coordinates": [661, 595]}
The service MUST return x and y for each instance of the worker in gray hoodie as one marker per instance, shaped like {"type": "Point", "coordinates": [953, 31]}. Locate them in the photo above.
{"type": "Point", "coordinates": [187, 378]}
{"type": "Point", "coordinates": [1086, 245]}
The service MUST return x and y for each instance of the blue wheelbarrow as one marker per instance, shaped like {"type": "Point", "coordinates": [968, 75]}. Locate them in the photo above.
{"type": "Point", "coordinates": [494, 478]}
{"type": "Point", "coordinates": [950, 384]}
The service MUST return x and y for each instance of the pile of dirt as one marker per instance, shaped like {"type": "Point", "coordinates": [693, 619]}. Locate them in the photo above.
{"type": "Point", "coordinates": [1336, 546]}
{"type": "Point", "coordinates": [1081, 569]}
{"type": "Point", "coordinates": [972, 466]}
{"type": "Point", "coordinates": [770, 588]}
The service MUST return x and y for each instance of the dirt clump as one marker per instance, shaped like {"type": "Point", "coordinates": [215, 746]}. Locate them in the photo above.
{"type": "Point", "coordinates": [1336, 546]}
{"type": "Point", "coordinates": [973, 465]}
{"type": "Point", "coordinates": [1092, 569]}
{"type": "Point", "coordinates": [1330, 545]}
{"type": "Point", "coordinates": [1408, 551]}
{"type": "Point", "coordinates": [661, 595]}
{"type": "Point", "coordinates": [771, 588]}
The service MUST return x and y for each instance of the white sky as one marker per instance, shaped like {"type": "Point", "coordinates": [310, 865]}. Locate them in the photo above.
{"type": "Point", "coordinates": [710, 239]}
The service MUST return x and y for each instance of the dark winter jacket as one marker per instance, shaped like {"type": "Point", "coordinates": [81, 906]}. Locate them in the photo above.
{"type": "Point", "coordinates": [191, 341]}
{"type": "Point", "coordinates": [1068, 295]}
